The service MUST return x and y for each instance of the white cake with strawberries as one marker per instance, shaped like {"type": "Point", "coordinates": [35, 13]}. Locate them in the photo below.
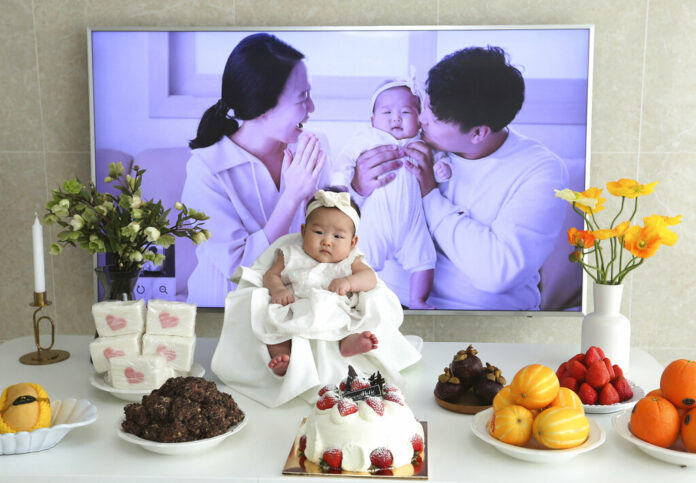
{"type": "Point", "coordinates": [363, 425]}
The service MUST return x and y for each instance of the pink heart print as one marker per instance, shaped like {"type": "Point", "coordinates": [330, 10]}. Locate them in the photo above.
{"type": "Point", "coordinates": [109, 353]}
{"type": "Point", "coordinates": [169, 354]}
{"type": "Point", "coordinates": [167, 320]}
{"type": "Point", "coordinates": [116, 323]}
{"type": "Point", "coordinates": [133, 376]}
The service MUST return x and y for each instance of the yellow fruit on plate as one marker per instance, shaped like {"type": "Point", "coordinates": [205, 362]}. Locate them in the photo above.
{"type": "Point", "coordinates": [512, 425]}
{"type": "Point", "coordinates": [534, 386]}
{"type": "Point", "coordinates": [24, 407]}
{"type": "Point", "coordinates": [561, 428]}
{"type": "Point", "coordinates": [502, 399]}
{"type": "Point", "coordinates": [567, 398]}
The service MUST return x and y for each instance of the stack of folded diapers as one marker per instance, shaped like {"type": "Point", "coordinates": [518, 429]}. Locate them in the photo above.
{"type": "Point", "coordinates": [141, 347]}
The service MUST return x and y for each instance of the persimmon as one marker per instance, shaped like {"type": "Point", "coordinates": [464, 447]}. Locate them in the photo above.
{"type": "Point", "coordinates": [655, 420]}
{"type": "Point", "coordinates": [688, 430]}
{"type": "Point", "coordinates": [678, 383]}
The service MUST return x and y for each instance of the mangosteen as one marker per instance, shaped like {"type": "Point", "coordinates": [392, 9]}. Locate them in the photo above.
{"type": "Point", "coordinates": [466, 366]}
{"type": "Point", "coordinates": [448, 387]}
{"type": "Point", "coordinates": [488, 384]}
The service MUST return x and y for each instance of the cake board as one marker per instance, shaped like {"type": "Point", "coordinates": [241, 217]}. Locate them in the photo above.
{"type": "Point", "coordinates": [297, 465]}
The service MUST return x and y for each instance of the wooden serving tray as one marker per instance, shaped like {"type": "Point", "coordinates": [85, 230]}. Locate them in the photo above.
{"type": "Point", "coordinates": [466, 404]}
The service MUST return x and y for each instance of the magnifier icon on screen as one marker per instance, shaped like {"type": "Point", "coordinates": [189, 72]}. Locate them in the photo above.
{"type": "Point", "coordinates": [163, 289]}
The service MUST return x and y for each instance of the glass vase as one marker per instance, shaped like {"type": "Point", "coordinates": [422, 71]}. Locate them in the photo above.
{"type": "Point", "coordinates": [118, 284]}
{"type": "Point", "coordinates": [606, 327]}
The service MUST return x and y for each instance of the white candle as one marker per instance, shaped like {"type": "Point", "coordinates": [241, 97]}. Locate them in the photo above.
{"type": "Point", "coordinates": [37, 238]}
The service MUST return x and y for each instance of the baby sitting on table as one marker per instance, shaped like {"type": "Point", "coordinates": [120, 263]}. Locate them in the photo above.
{"type": "Point", "coordinates": [308, 307]}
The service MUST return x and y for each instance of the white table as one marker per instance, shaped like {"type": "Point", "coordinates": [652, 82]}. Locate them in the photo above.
{"type": "Point", "coordinates": [258, 452]}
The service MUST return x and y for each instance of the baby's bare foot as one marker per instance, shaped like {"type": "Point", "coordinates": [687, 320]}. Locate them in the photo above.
{"type": "Point", "coordinates": [279, 364]}
{"type": "Point", "coordinates": [358, 343]}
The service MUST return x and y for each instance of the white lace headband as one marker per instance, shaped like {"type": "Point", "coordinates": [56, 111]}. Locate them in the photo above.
{"type": "Point", "coordinates": [329, 199]}
{"type": "Point", "coordinates": [408, 83]}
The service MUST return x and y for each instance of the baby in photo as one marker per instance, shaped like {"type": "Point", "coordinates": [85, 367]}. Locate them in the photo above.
{"type": "Point", "coordinates": [394, 121]}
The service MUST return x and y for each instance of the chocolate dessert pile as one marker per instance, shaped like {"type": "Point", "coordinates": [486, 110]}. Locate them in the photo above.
{"type": "Point", "coordinates": [183, 409]}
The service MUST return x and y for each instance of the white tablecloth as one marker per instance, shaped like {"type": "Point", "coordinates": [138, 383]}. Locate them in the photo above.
{"type": "Point", "coordinates": [258, 452]}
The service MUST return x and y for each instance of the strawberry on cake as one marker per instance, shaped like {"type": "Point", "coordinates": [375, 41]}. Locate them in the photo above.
{"type": "Point", "coordinates": [362, 425]}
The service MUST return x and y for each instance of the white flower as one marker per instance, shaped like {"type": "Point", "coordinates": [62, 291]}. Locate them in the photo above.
{"type": "Point", "coordinates": [77, 222]}
{"type": "Point", "coordinates": [199, 237]}
{"type": "Point", "coordinates": [179, 205]}
{"type": "Point", "coordinates": [136, 256]}
{"type": "Point", "coordinates": [134, 226]}
{"type": "Point", "coordinates": [136, 201]}
{"type": "Point", "coordinates": [152, 233]}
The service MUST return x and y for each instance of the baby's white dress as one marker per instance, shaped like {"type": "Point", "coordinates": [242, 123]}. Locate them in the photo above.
{"type": "Point", "coordinates": [241, 357]}
{"type": "Point", "coordinates": [316, 312]}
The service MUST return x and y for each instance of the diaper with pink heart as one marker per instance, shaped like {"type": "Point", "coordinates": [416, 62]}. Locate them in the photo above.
{"type": "Point", "coordinates": [165, 317]}
{"type": "Point", "coordinates": [104, 349]}
{"type": "Point", "coordinates": [141, 372]}
{"type": "Point", "coordinates": [117, 317]}
{"type": "Point", "coordinates": [178, 351]}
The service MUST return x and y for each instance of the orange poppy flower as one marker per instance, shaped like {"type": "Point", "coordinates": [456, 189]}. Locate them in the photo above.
{"type": "Point", "coordinates": [630, 188]}
{"type": "Point", "coordinates": [580, 238]}
{"type": "Point", "coordinates": [642, 242]}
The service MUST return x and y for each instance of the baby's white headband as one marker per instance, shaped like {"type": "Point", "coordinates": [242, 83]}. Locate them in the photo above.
{"type": "Point", "coordinates": [411, 84]}
{"type": "Point", "coordinates": [329, 199]}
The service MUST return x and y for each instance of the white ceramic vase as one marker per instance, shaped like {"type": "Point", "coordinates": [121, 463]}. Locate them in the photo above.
{"type": "Point", "coordinates": [606, 327]}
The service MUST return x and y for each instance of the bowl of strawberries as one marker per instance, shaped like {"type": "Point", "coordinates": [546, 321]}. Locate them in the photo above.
{"type": "Point", "coordinates": [601, 385]}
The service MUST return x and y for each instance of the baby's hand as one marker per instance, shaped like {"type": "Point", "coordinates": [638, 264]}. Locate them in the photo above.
{"type": "Point", "coordinates": [282, 297]}
{"type": "Point", "coordinates": [442, 171]}
{"type": "Point", "coordinates": [340, 286]}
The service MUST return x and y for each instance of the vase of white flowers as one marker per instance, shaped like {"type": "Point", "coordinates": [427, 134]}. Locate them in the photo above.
{"type": "Point", "coordinates": [124, 226]}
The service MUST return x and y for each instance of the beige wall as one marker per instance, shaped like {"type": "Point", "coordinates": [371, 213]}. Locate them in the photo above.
{"type": "Point", "coordinates": [644, 112]}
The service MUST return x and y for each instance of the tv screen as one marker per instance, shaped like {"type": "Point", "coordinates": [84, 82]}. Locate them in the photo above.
{"type": "Point", "coordinates": [489, 237]}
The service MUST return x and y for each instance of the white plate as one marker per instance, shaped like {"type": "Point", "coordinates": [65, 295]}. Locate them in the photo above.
{"type": "Point", "coordinates": [134, 395]}
{"type": "Point", "coordinates": [638, 393]}
{"type": "Point", "coordinates": [188, 447]}
{"type": "Point", "coordinates": [676, 454]}
{"type": "Point", "coordinates": [65, 416]}
{"type": "Point", "coordinates": [479, 426]}
{"type": "Point", "coordinates": [415, 341]}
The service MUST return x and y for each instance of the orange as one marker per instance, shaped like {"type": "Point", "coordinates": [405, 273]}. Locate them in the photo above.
{"type": "Point", "coordinates": [678, 383]}
{"type": "Point", "coordinates": [688, 430]}
{"type": "Point", "coordinates": [655, 420]}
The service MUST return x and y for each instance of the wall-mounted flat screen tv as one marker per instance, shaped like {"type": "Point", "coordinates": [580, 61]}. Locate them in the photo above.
{"type": "Point", "coordinates": [488, 237]}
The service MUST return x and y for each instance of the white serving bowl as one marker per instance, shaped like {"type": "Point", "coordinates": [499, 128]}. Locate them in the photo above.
{"type": "Point", "coordinates": [65, 416]}
{"type": "Point", "coordinates": [638, 394]}
{"type": "Point", "coordinates": [677, 454]}
{"type": "Point", "coordinates": [479, 426]}
{"type": "Point", "coordinates": [185, 448]}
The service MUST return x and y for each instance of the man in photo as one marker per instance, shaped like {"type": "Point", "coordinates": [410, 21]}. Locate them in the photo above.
{"type": "Point", "coordinates": [495, 221]}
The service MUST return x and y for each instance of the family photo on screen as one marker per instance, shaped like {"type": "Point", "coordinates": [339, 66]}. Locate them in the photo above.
{"type": "Point", "coordinates": [451, 159]}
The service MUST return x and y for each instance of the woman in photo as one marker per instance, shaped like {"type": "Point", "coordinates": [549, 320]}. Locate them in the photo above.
{"type": "Point", "coordinates": [252, 167]}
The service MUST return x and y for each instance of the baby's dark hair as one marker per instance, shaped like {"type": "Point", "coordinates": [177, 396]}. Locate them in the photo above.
{"type": "Point", "coordinates": [338, 189]}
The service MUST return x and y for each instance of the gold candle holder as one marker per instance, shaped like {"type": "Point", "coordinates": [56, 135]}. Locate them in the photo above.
{"type": "Point", "coordinates": [43, 355]}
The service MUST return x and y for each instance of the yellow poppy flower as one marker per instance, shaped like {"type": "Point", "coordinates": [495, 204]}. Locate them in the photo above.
{"type": "Point", "coordinates": [579, 199]}
{"type": "Point", "coordinates": [592, 194]}
{"type": "Point", "coordinates": [580, 238]}
{"type": "Point", "coordinates": [641, 242]}
{"type": "Point", "coordinates": [604, 234]}
{"type": "Point", "coordinates": [659, 224]}
{"type": "Point", "coordinates": [622, 227]}
{"type": "Point", "coordinates": [630, 188]}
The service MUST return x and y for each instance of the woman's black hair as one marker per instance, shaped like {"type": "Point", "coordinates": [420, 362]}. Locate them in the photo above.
{"type": "Point", "coordinates": [254, 77]}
